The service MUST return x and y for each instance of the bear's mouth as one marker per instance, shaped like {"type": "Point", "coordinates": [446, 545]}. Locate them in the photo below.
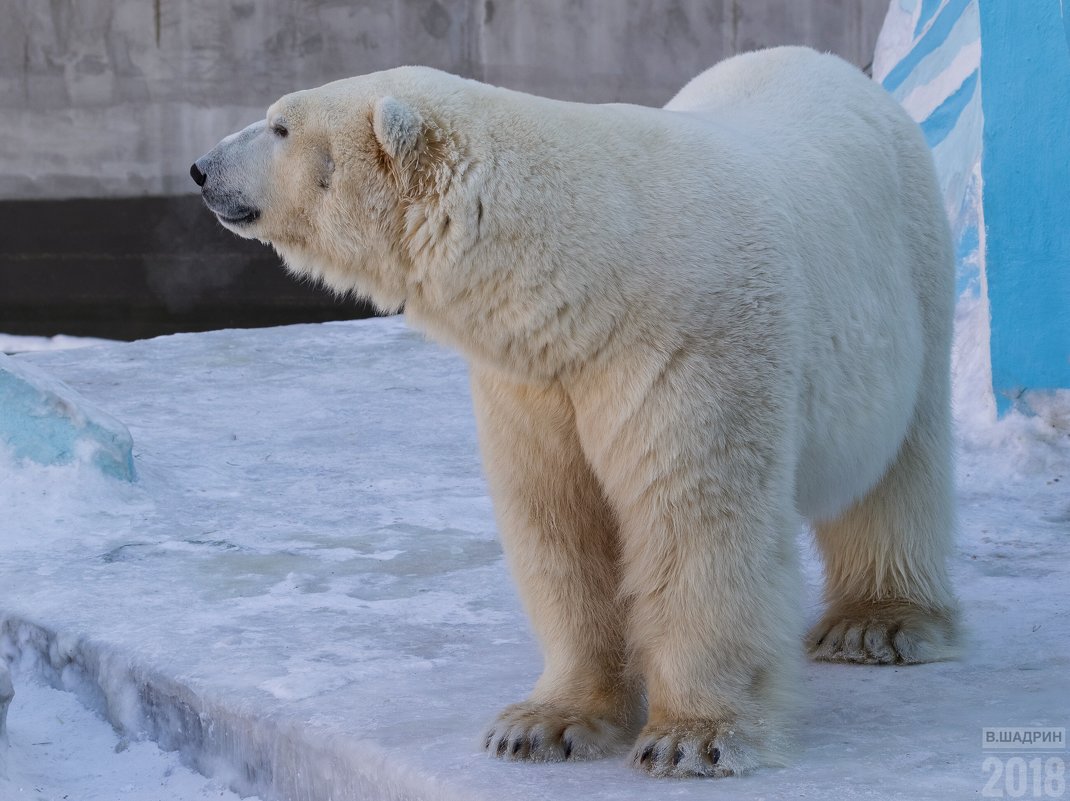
{"type": "Point", "coordinates": [243, 218]}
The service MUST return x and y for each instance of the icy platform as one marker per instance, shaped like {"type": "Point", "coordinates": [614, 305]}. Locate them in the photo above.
{"type": "Point", "coordinates": [303, 594]}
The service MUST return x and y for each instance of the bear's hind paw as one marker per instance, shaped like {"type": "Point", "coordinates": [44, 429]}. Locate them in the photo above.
{"type": "Point", "coordinates": [535, 732]}
{"type": "Point", "coordinates": [883, 633]}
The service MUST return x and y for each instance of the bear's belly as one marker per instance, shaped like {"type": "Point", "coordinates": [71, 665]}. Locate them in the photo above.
{"type": "Point", "coordinates": [856, 405]}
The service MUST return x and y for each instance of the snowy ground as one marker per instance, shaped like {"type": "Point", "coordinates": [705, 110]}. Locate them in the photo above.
{"type": "Point", "coordinates": [302, 597]}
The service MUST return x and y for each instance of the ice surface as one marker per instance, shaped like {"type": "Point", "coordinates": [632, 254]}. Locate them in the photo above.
{"type": "Point", "coordinates": [304, 597]}
{"type": "Point", "coordinates": [7, 692]}
{"type": "Point", "coordinates": [45, 420]}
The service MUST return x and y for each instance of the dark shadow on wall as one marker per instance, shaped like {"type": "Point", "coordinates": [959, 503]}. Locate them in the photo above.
{"type": "Point", "coordinates": [131, 268]}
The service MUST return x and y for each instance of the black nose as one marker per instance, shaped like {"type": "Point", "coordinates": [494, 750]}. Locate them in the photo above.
{"type": "Point", "coordinates": [197, 175]}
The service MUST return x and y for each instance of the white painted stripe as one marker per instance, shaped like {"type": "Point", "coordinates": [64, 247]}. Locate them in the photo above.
{"type": "Point", "coordinates": [966, 31]}
{"type": "Point", "coordinates": [895, 40]}
{"type": "Point", "coordinates": [924, 99]}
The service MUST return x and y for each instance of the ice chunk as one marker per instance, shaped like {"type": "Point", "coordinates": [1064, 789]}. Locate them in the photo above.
{"type": "Point", "coordinates": [43, 419]}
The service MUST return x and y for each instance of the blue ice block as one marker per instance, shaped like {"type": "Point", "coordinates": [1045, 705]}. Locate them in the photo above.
{"type": "Point", "coordinates": [44, 420]}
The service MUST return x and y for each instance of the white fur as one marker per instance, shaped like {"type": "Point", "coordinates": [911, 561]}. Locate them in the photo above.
{"type": "Point", "coordinates": [688, 329]}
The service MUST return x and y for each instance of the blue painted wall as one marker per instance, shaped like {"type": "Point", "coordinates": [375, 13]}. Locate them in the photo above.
{"type": "Point", "coordinates": [1025, 69]}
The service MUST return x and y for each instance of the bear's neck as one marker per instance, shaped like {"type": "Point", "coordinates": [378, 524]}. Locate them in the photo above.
{"type": "Point", "coordinates": [539, 244]}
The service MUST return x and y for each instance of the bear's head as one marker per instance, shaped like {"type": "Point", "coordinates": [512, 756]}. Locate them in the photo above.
{"type": "Point", "coordinates": [346, 181]}
{"type": "Point", "coordinates": [464, 203]}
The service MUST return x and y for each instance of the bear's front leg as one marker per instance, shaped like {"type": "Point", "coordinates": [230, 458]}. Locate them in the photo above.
{"type": "Point", "coordinates": [710, 570]}
{"type": "Point", "coordinates": [702, 486]}
{"type": "Point", "coordinates": [560, 538]}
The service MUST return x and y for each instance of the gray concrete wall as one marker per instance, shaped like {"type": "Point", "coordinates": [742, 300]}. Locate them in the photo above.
{"type": "Point", "coordinates": [117, 97]}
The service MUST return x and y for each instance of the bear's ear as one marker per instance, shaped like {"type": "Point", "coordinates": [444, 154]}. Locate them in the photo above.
{"type": "Point", "coordinates": [397, 127]}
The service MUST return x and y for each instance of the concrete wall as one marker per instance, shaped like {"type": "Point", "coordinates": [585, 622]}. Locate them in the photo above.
{"type": "Point", "coordinates": [117, 97]}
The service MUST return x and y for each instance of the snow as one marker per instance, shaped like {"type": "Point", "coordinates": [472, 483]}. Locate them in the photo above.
{"type": "Point", "coordinates": [303, 595]}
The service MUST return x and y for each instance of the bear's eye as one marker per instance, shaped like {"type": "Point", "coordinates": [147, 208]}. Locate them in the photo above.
{"type": "Point", "coordinates": [280, 130]}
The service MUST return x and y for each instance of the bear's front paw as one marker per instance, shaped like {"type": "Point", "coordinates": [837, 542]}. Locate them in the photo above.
{"type": "Point", "coordinates": [883, 633]}
{"type": "Point", "coordinates": [693, 748]}
{"type": "Point", "coordinates": [546, 733]}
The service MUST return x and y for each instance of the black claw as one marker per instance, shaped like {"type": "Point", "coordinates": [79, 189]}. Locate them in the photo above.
{"type": "Point", "coordinates": [486, 743]}
{"type": "Point", "coordinates": [568, 748]}
{"type": "Point", "coordinates": [536, 741]}
{"type": "Point", "coordinates": [648, 752]}
{"type": "Point", "coordinates": [715, 755]}
{"type": "Point", "coordinates": [516, 747]}
{"type": "Point", "coordinates": [502, 743]}
{"type": "Point", "coordinates": [678, 756]}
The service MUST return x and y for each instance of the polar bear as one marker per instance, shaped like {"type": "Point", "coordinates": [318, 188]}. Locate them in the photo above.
{"type": "Point", "coordinates": [688, 329]}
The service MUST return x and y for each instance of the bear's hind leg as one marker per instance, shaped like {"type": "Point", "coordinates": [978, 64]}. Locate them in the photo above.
{"type": "Point", "coordinates": [888, 593]}
{"type": "Point", "coordinates": [561, 542]}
